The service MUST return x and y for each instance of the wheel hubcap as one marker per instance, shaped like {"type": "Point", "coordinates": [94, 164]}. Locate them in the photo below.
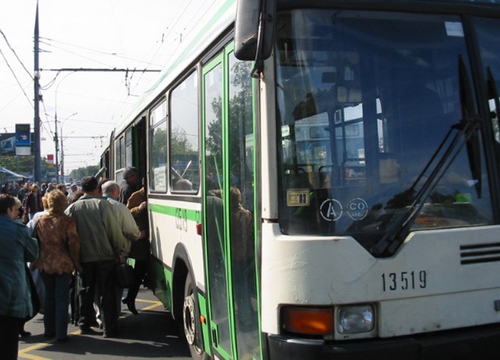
{"type": "Point", "coordinates": [188, 315]}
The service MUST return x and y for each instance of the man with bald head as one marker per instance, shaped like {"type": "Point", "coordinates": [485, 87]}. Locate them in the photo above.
{"type": "Point", "coordinates": [111, 191]}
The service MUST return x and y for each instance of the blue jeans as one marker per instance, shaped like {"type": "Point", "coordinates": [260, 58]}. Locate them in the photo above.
{"type": "Point", "coordinates": [55, 319]}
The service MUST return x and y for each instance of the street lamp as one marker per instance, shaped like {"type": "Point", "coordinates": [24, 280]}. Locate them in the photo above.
{"type": "Point", "coordinates": [62, 146]}
{"type": "Point", "coordinates": [56, 140]}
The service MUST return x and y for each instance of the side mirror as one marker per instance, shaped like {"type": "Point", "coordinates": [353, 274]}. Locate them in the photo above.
{"type": "Point", "coordinates": [254, 29]}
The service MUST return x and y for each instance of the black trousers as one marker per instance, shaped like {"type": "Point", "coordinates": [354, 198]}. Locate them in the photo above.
{"type": "Point", "coordinates": [9, 336]}
{"type": "Point", "coordinates": [98, 277]}
{"type": "Point", "coordinates": [140, 270]}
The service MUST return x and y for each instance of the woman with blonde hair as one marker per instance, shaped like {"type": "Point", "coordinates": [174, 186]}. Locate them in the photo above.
{"type": "Point", "coordinates": [59, 257]}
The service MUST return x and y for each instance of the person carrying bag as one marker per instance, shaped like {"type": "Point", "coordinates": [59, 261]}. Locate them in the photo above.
{"type": "Point", "coordinates": [59, 258]}
{"type": "Point", "coordinates": [124, 274]}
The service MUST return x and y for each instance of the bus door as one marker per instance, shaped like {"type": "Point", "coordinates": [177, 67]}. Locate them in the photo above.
{"type": "Point", "coordinates": [138, 143]}
{"type": "Point", "coordinates": [130, 150]}
{"type": "Point", "coordinates": [228, 204]}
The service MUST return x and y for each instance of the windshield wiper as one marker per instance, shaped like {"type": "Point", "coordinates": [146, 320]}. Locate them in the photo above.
{"type": "Point", "coordinates": [465, 134]}
{"type": "Point", "coordinates": [469, 114]}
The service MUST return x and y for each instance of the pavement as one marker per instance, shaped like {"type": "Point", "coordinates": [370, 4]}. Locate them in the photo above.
{"type": "Point", "coordinates": [150, 334]}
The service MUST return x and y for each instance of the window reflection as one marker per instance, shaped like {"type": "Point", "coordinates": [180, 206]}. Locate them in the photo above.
{"type": "Point", "coordinates": [158, 158]}
{"type": "Point", "coordinates": [363, 105]}
{"type": "Point", "coordinates": [184, 136]}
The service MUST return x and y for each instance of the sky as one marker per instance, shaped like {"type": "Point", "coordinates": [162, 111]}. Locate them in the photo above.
{"type": "Point", "coordinates": [91, 34]}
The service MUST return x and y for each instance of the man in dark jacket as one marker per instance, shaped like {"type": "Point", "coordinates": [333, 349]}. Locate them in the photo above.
{"type": "Point", "coordinates": [130, 183]}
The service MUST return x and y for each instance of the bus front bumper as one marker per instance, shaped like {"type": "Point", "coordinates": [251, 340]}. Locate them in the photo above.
{"type": "Point", "coordinates": [470, 343]}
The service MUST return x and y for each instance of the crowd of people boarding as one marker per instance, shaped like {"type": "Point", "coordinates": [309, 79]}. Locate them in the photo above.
{"type": "Point", "coordinates": [61, 248]}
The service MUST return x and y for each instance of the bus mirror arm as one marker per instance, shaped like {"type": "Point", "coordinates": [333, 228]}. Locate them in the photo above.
{"type": "Point", "coordinates": [468, 129]}
{"type": "Point", "coordinates": [264, 39]}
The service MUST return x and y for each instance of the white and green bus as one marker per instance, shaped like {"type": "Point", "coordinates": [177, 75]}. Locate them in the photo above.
{"type": "Point", "coordinates": [323, 180]}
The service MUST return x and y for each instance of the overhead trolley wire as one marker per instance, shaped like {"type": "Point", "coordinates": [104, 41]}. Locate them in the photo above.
{"type": "Point", "coordinates": [12, 70]}
{"type": "Point", "coordinates": [15, 54]}
{"type": "Point", "coordinates": [15, 77]}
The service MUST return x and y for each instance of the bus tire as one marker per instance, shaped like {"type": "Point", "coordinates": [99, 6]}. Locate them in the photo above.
{"type": "Point", "coordinates": [190, 315]}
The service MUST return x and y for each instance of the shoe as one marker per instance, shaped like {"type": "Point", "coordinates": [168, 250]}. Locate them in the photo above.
{"type": "Point", "coordinates": [49, 335]}
{"type": "Point", "coordinates": [61, 340]}
{"type": "Point", "coordinates": [87, 330]}
{"type": "Point", "coordinates": [24, 333]}
{"type": "Point", "coordinates": [110, 334]}
{"type": "Point", "coordinates": [130, 305]}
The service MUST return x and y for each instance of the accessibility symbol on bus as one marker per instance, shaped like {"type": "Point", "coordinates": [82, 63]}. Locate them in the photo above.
{"type": "Point", "coordinates": [357, 209]}
{"type": "Point", "coordinates": [331, 210]}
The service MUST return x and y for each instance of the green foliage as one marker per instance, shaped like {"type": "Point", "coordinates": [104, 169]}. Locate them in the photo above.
{"type": "Point", "coordinates": [180, 143]}
{"type": "Point", "coordinates": [240, 115]}
{"type": "Point", "coordinates": [23, 165]}
{"type": "Point", "coordinates": [159, 146]}
{"type": "Point", "coordinates": [214, 129]}
{"type": "Point", "coordinates": [239, 120]}
{"type": "Point", "coordinates": [19, 164]}
{"type": "Point", "coordinates": [80, 173]}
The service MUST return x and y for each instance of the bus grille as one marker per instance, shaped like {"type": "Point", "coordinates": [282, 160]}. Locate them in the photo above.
{"type": "Point", "coordinates": [479, 253]}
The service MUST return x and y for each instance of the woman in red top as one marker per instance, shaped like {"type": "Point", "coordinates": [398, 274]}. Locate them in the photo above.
{"type": "Point", "coordinates": [59, 257]}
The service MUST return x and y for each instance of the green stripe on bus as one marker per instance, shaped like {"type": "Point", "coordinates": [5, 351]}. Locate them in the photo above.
{"type": "Point", "coordinates": [193, 215]}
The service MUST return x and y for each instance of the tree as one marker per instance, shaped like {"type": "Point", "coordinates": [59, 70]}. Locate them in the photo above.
{"type": "Point", "coordinates": [21, 164]}
{"type": "Point", "coordinates": [239, 125]}
{"type": "Point", "coordinates": [159, 146]}
{"type": "Point", "coordinates": [80, 173]}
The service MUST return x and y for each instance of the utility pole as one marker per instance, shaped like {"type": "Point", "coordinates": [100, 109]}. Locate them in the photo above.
{"type": "Point", "coordinates": [36, 120]}
{"type": "Point", "coordinates": [62, 157]}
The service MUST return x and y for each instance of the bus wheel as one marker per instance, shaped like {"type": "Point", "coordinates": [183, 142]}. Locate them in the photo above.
{"type": "Point", "coordinates": [189, 317]}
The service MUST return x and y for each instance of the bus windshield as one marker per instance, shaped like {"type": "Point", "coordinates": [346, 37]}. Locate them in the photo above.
{"type": "Point", "coordinates": [363, 107]}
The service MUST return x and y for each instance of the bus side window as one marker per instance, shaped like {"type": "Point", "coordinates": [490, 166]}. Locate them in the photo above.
{"type": "Point", "coordinates": [184, 136]}
{"type": "Point", "coordinates": [158, 152]}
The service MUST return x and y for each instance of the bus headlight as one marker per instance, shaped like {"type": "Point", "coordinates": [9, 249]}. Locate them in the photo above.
{"type": "Point", "coordinates": [354, 319]}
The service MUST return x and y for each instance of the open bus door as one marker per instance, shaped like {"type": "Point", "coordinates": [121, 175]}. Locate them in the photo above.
{"type": "Point", "coordinates": [228, 208]}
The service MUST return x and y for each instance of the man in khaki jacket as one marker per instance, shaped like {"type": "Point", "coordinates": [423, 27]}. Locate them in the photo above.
{"type": "Point", "coordinates": [102, 246]}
